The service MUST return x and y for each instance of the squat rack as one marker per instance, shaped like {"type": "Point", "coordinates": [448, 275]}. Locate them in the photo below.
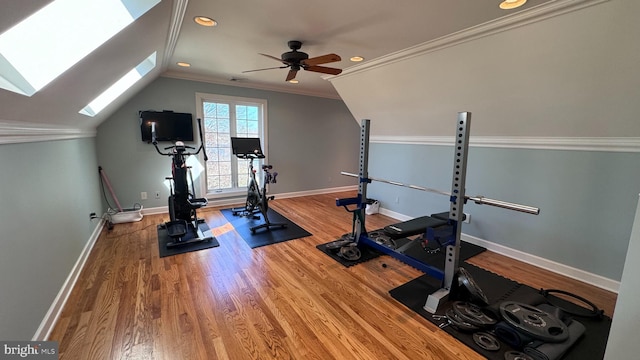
{"type": "Point", "coordinates": [457, 199]}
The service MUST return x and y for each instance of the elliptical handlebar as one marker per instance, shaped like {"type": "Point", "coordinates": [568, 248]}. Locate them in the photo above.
{"type": "Point", "coordinates": [179, 148]}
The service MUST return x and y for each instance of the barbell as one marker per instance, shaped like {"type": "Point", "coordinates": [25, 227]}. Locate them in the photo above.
{"type": "Point", "coordinates": [478, 199]}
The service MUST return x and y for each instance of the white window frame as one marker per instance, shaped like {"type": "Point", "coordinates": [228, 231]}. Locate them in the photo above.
{"type": "Point", "coordinates": [201, 98]}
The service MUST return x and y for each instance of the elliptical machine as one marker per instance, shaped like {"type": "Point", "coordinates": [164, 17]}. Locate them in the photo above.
{"type": "Point", "coordinates": [257, 199]}
{"type": "Point", "coordinates": [182, 227]}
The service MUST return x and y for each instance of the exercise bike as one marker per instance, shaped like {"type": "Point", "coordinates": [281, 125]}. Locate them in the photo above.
{"type": "Point", "coordinates": [182, 226]}
{"type": "Point", "coordinates": [257, 200]}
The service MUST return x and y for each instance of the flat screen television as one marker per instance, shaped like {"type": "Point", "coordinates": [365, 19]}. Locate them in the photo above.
{"type": "Point", "coordinates": [170, 126]}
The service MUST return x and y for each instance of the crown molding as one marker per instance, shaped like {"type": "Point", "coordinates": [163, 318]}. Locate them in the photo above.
{"type": "Point", "coordinates": [12, 132]}
{"type": "Point", "coordinates": [177, 17]}
{"type": "Point", "coordinates": [213, 80]}
{"type": "Point", "coordinates": [505, 23]}
{"type": "Point", "coordinates": [607, 144]}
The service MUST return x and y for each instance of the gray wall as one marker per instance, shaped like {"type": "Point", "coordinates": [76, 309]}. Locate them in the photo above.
{"type": "Point", "coordinates": [311, 140]}
{"type": "Point", "coordinates": [571, 75]}
{"type": "Point", "coordinates": [558, 79]}
{"type": "Point", "coordinates": [587, 199]}
{"type": "Point", "coordinates": [48, 190]}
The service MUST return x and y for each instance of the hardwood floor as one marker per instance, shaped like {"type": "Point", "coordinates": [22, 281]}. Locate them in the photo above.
{"type": "Point", "coordinates": [283, 301]}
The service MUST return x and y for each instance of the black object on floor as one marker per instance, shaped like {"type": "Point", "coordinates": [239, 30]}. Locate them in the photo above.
{"type": "Point", "coordinates": [414, 250]}
{"type": "Point", "coordinates": [499, 289]}
{"type": "Point", "coordinates": [164, 238]}
{"type": "Point", "coordinates": [264, 236]}
{"type": "Point", "coordinates": [366, 253]}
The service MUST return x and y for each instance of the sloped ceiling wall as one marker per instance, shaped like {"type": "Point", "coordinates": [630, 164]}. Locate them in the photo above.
{"type": "Point", "coordinates": [564, 71]}
{"type": "Point", "coordinates": [50, 108]}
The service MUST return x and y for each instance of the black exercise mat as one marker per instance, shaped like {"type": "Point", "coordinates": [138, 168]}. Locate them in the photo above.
{"type": "Point", "coordinates": [163, 239]}
{"type": "Point", "coordinates": [366, 253]}
{"type": "Point", "coordinates": [264, 236]}
{"type": "Point", "coordinates": [467, 250]}
{"type": "Point", "coordinates": [438, 259]}
{"type": "Point", "coordinates": [498, 289]}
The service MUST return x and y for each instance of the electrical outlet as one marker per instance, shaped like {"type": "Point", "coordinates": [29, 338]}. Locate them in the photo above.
{"type": "Point", "coordinates": [157, 194]}
{"type": "Point", "coordinates": [467, 218]}
{"type": "Point", "coordinates": [143, 195]}
{"type": "Point", "coordinates": [397, 200]}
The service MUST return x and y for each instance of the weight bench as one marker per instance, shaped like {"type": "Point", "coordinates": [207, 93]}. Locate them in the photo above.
{"type": "Point", "coordinates": [413, 227]}
{"type": "Point", "coordinates": [436, 229]}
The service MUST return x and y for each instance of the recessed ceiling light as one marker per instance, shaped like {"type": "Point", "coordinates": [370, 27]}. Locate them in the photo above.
{"type": "Point", "coordinates": [293, 81]}
{"type": "Point", "coordinates": [183, 64]}
{"type": "Point", "coordinates": [511, 4]}
{"type": "Point", "coordinates": [356, 58]}
{"type": "Point", "coordinates": [205, 21]}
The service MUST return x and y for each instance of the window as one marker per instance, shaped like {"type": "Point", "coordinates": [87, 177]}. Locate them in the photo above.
{"type": "Point", "coordinates": [53, 39]}
{"type": "Point", "coordinates": [120, 86]}
{"type": "Point", "coordinates": [224, 117]}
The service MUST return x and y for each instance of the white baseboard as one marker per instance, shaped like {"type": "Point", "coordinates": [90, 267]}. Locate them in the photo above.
{"type": "Point", "coordinates": [395, 215]}
{"type": "Point", "coordinates": [237, 201]}
{"type": "Point", "coordinates": [50, 319]}
{"type": "Point", "coordinates": [316, 192]}
{"type": "Point", "coordinates": [558, 268]}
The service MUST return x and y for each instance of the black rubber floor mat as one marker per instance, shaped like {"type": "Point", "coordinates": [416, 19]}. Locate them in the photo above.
{"type": "Point", "coordinates": [499, 289]}
{"type": "Point", "coordinates": [367, 253]}
{"type": "Point", "coordinates": [467, 250]}
{"type": "Point", "coordinates": [164, 238]}
{"type": "Point", "coordinates": [263, 236]}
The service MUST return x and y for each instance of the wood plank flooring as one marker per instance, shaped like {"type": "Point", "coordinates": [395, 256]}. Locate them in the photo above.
{"type": "Point", "coordinates": [283, 301]}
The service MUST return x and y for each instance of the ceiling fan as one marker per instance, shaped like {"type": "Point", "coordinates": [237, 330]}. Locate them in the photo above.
{"type": "Point", "coordinates": [296, 60]}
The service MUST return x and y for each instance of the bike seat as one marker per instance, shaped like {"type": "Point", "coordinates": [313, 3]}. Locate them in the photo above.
{"type": "Point", "coordinates": [197, 203]}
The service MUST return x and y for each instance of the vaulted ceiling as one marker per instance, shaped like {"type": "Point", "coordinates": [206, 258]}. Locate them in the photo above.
{"type": "Point", "coordinates": [221, 54]}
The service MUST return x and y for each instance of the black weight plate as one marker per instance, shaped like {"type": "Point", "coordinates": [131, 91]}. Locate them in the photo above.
{"type": "Point", "coordinates": [486, 341]}
{"type": "Point", "coordinates": [534, 322]}
{"type": "Point", "coordinates": [458, 323]}
{"type": "Point", "coordinates": [475, 292]}
{"type": "Point", "coordinates": [381, 238]}
{"type": "Point", "coordinates": [473, 314]}
{"type": "Point", "coordinates": [350, 252]}
{"type": "Point", "coordinates": [516, 355]}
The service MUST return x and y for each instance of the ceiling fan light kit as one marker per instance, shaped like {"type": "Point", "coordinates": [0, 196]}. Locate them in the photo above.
{"type": "Point", "coordinates": [297, 60]}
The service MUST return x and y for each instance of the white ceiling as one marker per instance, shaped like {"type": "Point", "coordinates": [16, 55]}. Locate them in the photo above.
{"type": "Point", "coordinates": [367, 28]}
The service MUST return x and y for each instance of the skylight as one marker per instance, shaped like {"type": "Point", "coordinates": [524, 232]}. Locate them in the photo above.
{"type": "Point", "coordinates": [120, 86]}
{"type": "Point", "coordinates": [56, 37]}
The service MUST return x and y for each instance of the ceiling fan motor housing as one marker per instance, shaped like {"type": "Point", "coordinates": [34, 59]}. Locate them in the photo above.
{"type": "Point", "coordinates": [294, 57]}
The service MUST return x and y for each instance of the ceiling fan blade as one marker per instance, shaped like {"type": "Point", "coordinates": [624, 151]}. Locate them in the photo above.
{"type": "Point", "coordinates": [271, 57]}
{"type": "Point", "coordinates": [277, 67]}
{"type": "Point", "coordinates": [291, 75]}
{"type": "Point", "coordinates": [324, 70]}
{"type": "Point", "coordinates": [321, 59]}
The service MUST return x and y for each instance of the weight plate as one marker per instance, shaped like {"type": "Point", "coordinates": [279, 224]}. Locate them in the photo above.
{"type": "Point", "coordinates": [344, 240]}
{"type": "Point", "coordinates": [516, 355]}
{"type": "Point", "coordinates": [486, 341]}
{"type": "Point", "coordinates": [473, 314]}
{"type": "Point", "coordinates": [458, 323]}
{"type": "Point", "coordinates": [534, 322]}
{"type": "Point", "coordinates": [350, 252]}
{"type": "Point", "coordinates": [475, 292]}
{"type": "Point", "coordinates": [381, 238]}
